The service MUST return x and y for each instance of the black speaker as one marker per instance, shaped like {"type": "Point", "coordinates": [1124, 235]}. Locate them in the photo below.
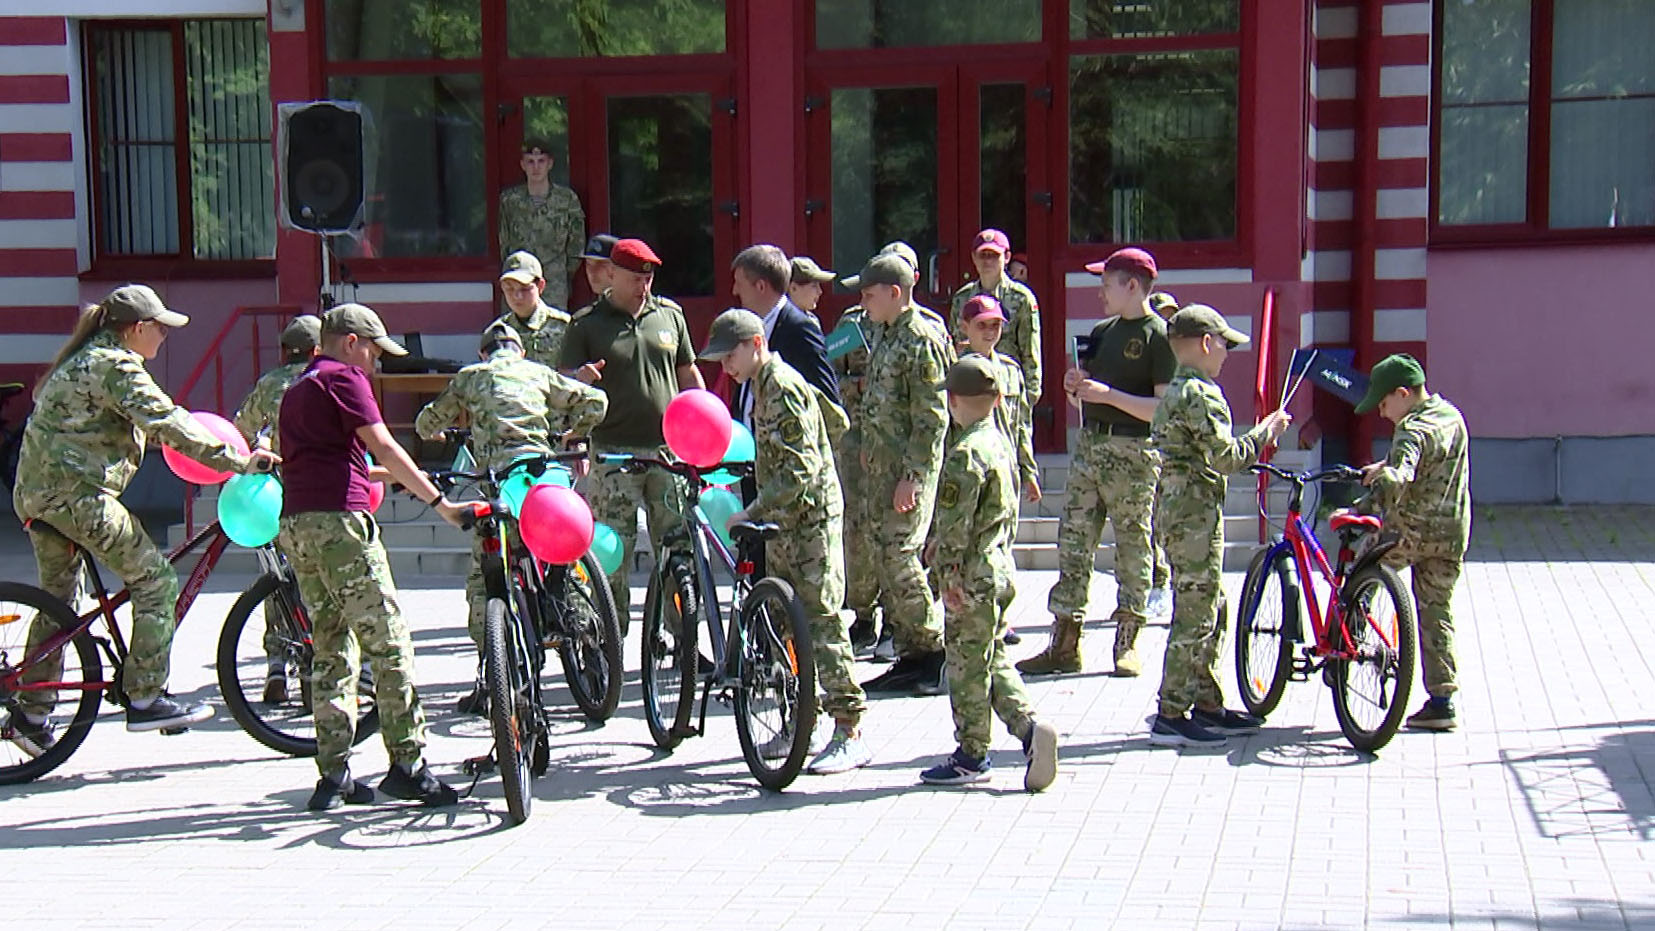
{"type": "Point", "coordinates": [322, 166]}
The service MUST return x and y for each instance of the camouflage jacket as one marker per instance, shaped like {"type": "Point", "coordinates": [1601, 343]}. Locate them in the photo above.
{"type": "Point", "coordinates": [903, 417]}
{"type": "Point", "coordinates": [1192, 431]}
{"type": "Point", "coordinates": [1022, 336]}
{"type": "Point", "coordinates": [1424, 489]}
{"type": "Point", "coordinates": [797, 483]}
{"type": "Point", "coordinates": [542, 333]}
{"type": "Point", "coordinates": [976, 514]}
{"type": "Point", "coordinates": [515, 406]}
{"type": "Point", "coordinates": [1012, 417]}
{"type": "Point", "coordinates": [852, 367]}
{"type": "Point", "coordinates": [90, 423]}
{"type": "Point", "coordinates": [261, 409]}
{"type": "Point", "coordinates": [552, 227]}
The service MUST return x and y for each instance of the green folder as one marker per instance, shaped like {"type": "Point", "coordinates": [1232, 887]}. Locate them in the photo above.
{"type": "Point", "coordinates": [846, 338]}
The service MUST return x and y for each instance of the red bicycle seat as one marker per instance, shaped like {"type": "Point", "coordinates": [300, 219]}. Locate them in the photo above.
{"type": "Point", "coordinates": [1345, 517]}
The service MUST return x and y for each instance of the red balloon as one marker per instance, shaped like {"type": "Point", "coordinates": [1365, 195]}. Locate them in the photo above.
{"type": "Point", "coordinates": [556, 524]}
{"type": "Point", "coordinates": [697, 427]}
{"type": "Point", "coordinates": [194, 472]}
{"type": "Point", "coordinates": [376, 495]}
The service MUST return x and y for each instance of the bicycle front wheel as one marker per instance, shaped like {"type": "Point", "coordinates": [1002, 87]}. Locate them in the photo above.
{"type": "Point", "coordinates": [1264, 650]}
{"type": "Point", "coordinates": [775, 700]}
{"type": "Point", "coordinates": [265, 658]}
{"type": "Point", "coordinates": [590, 635]}
{"type": "Point", "coordinates": [510, 717]}
{"type": "Point", "coordinates": [78, 696]}
{"type": "Point", "coordinates": [672, 612]}
{"type": "Point", "coordinates": [1370, 689]}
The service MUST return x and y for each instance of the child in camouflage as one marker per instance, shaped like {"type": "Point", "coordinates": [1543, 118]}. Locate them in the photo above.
{"type": "Point", "coordinates": [975, 517]}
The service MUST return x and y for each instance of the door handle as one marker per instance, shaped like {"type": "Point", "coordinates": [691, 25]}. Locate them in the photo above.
{"type": "Point", "coordinates": [813, 206]}
{"type": "Point", "coordinates": [1042, 198]}
{"type": "Point", "coordinates": [731, 207]}
{"type": "Point", "coordinates": [932, 270]}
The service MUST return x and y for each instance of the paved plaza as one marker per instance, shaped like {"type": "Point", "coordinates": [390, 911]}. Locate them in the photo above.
{"type": "Point", "coordinates": [1537, 813]}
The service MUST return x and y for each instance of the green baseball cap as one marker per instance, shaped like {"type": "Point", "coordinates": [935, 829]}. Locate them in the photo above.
{"type": "Point", "coordinates": [498, 332]}
{"type": "Point", "coordinates": [730, 329]}
{"type": "Point", "coordinates": [1398, 370]}
{"type": "Point", "coordinates": [803, 268]}
{"type": "Point", "coordinates": [1201, 320]}
{"type": "Point", "coordinates": [973, 377]}
{"type": "Point", "coordinates": [898, 247]}
{"type": "Point", "coordinates": [521, 267]}
{"type": "Point", "coordinates": [360, 320]}
{"type": "Point", "coordinates": [885, 268]}
{"type": "Point", "coordinates": [1163, 304]}
{"type": "Point", "coordinates": [137, 302]}
{"type": "Point", "coordinates": [303, 334]}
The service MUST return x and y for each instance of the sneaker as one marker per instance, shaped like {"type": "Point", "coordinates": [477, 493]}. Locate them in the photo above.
{"type": "Point", "coordinates": [1182, 732]}
{"type": "Point", "coordinates": [885, 650]}
{"type": "Point", "coordinates": [475, 701]}
{"type": "Point", "coordinates": [1225, 721]}
{"type": "Point", "coordinates": [933, 679]}
{"type": "Point", "coordinates": [958, 770]}
{"type": "Point", "coordinates": [1012, 638]}
{"type": "Point", "coordinates": [166, 712]}
{"type": "Point", "coordinates": [331, 793]}
{"type": "Point", "coordinates": [863, 636]}
{"type": "Point", "coordinates": [843, 753]}
{"type": "Point", "coordinates": [779, 746]}
{"type": "Point", "coordinates": [1159, 604]}
{"type": "Point", "coordinates": [1436, 715]}
{"type": "Point", "coordinates": [32, 737]}
{"type": "Point", "coordinates": [365, 682]}
{"type": "Point", "coordinates": [921, 674]}
{"type": "Point", "coordinates": [418, 786]}
{"type": "Point", "coordinates": [275, 684]}
{"type": "Point", "coordinates": [1040, 747]}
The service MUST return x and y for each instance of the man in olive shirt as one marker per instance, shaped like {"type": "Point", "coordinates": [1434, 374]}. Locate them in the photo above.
{"type": "Point", "coordinates": [634, 345]}
{"type": "Point", "coordinates": [1127, 366]}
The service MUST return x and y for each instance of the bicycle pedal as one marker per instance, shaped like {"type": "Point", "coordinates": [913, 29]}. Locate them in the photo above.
{"type": "Point", "coordinates": [478, 765]}
{"type": "Point", "coordinates": [173, 731]}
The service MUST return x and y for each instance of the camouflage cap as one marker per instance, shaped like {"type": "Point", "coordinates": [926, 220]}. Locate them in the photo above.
{"type": "Point", "coordinates": [1200, 320]}
{"type": "Point", "coordinates": [1398, 370]}
{"type": "Point", "coordinates": [973, 377]}
{"type": "Point", "coordinates": [498, 332]}
{"type": "Point", "coordinates": [522, 267]}
{"type": "Point", "coordinates": [134, 302]}
{"type": "Point", "coordinates": [884, 268]}
{"type": "Point", "coordinates": [360, 320]}
{"type": "Point", "coordinates": [804, 268]}
{"type": "Point", "coordinates": [1163, 304]}
{"type": "Point", "coordinates": [730, 329]}
{"type": "Point", "coordinates": [537, 144]}
{"type": "Point", "coordinates": [303, 334]}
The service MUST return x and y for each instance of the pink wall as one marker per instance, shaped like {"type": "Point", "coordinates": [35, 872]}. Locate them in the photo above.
{"type": "Point", "coordinates": [1544, 342]}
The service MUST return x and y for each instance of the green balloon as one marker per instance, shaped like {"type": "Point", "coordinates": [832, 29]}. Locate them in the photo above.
{"type": "Point", "coordinates": [250, 509]}
{"type": "Point", "coordinates": [606, 547]}
{"type": "Point", "coordinates": [718, 505]}
{"type": "Point", "coordinates": [514, 488]}
{"type": "Point", "coordinates": [556, 475]}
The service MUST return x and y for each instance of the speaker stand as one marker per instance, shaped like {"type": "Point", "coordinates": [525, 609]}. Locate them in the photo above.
{"type": "Point", "coordinates": [328, 298]}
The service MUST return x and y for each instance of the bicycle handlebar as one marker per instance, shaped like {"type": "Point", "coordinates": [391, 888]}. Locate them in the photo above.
{"type": "Point", "coordinates": [634, 464]}
{"type": "Point", "coordinates": [446, 479]}
{"type": "Point", "coordinates": [1334, 473]}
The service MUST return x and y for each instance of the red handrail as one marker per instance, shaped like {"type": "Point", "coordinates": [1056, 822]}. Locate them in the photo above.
{"type": "Point", "coordinates": [1263, 392]}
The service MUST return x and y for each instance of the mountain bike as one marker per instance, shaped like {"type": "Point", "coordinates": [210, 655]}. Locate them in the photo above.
{"type": "Point", "coordinates": [1362, 639]}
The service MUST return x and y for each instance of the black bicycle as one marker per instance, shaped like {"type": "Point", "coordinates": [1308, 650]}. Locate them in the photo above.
{"type": "Point", "coordinates": [761, 661]}
{"type": "Point", "coordinates": [533, 607]}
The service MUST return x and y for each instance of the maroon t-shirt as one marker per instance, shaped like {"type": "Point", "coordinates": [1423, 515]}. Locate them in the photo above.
{"type": "Point", "coordinates": [324, 462]}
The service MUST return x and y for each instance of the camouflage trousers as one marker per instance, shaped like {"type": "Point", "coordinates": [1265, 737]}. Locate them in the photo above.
{"type": "Point", "coordinates": [1161, 575]}
{"type": "Point", "coordinates": [616, 498]}
{"type": "Point", "coordinates": [1434, 578]}
{"type": "Point", "coordinates": [861, 555]}
{"type": "Point", "coordinates": [912, 611]}
{"type": "Point", "coordinates": [1195, 548]}
{"type": "Point", "coordinates": [108, 531]}
{"type": "Point", "coordinates": [1111, 478]}
{"type": "Point", "coordinates": [981, 680]}
{"type": "Point", "coordinates": [810, 559]}
{"type": "Point", "coordinates": [346, 584]}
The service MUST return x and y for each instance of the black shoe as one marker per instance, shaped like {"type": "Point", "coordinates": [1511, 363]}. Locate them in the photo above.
{"type": "Point", "coordinates": [1437, 715]}
{"type": "Point", "coordinates": [1225, 721]}
{"type": "Point", "coordinates": [365, 682]}
{"type": "Point", "coordinates": [475, 702]}
{"type": "Point", "coordinates": [1183, 732]}
{"type": "Point", "coordinates": [166, 712]}
{"type": "Point", "coordinates": [275, 684]}
{"type": "Point", "coordinates": [921, 673]}
{"type": "Point", "coordinates": [863, 636]}
{"type": "Point", "coordinates": [32, 738]}
{"type": "Point", "coordinates": [1012, 638]}
{"type": "Point", "coordinates": [331, 793]}
{"type": "Point", "coordinates": [933, 679]}
{"type": "Point", "coordinates": [418, 786]}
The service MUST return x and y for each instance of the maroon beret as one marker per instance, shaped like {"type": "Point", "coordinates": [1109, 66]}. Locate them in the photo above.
{"type": "Point", "coordinates": [635, 255]}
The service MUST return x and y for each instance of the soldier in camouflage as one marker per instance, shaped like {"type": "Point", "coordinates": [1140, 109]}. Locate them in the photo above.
{"type": "Point", "coordinates": [1192, 431]}
{"type": "Point", "coordinates": [805, 283]}
{"type": "Point", "coordinates": [540, 325]}
{"type": "Point", "coordinates": [798, 489]}
{"type": "Point", "coordinates": [990, 252]}
{"type": "Point", "coordinates": [861, 557]}
{"type": "Point", "coordinates": [544, 219]}
{"type": "Point", "coordinates": [1160, 593]}
{"type": "Point", "coordinates": [93, 412]}
{"type": "Point", "coordinates": [976, 519]}
{"type": "Point", "coordinates": [1423, 489]}
{"type": "Point", "coordinates": [516, 409]}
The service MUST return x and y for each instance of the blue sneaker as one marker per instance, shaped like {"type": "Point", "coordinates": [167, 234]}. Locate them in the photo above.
{"type": "Point", "coordinates": [1226, 721]}
{"type": "Point", "coordinates": [959, 769]}
{"type": "Point", "coordinates": [1183, 732]}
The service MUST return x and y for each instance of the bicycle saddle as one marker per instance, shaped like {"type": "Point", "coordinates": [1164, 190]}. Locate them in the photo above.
{"type": "Point", "coordinates": [745, 531]}
{"type": "Point", "coordinates": [1346, 518]}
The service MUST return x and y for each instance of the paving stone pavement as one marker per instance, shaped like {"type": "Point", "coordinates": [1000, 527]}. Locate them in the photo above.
{"type": "Point", "coordinates": [1537, 813]}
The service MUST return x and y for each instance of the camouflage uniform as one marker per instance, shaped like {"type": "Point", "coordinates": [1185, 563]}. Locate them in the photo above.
{"type": "Point", "coordinates": [1022, 334]}
{"type": "Point", "coordinates": [553, 228]}
{"type": "Point", "coordinates": [83, 443]}
{"type": "Point", "coordinates": [975, 522]}
{"type": "Point", "coordinates": [904, 422]}
{"type": "Point", "coordinates": [542, 332]}
{"type": "Point", "coordinates": [1424, 491]}
{"type": "Point", "coordinates": [262, 407]}
{"type": "Point", "coordinates": [1192, 430]}
{"type": "Point", "coordinates": [861, 557]}
{"type": "Point", "coordinates": [514, 405]}
{"type": "Point", "coordinates": [345, 582]}
{"type": "Point", "coordinates": [798, 488]}
{"type": "Point", "coordinates": [1013, 418]}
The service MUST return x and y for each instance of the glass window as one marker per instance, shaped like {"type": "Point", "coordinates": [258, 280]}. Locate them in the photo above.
{"type": "Point", "coordinates": [1003, 162]}
{"type": "Point", "coordinates": [884, 171]}
{"type": "Point", "coordinates": [382, 30]}
{"type": "Point", "coordinates": [1113, 19]}
{"type": "Point", "coordinates": [424, 163]}
{"type": "Point", "coordinates": [587, 29]}
{"type": "Point", "coordinates": [1485, 113]}
{"type": "Point", "coordinates": [1152, 147]}
{"type": "Point", "coordinates": [232, 176]}
{"type": "Point", "coordinates": [661, 185]}
{"type": "Point", "coordinates": [907, 23]}
{"type": "Point", "coordinates": [1603, 108]}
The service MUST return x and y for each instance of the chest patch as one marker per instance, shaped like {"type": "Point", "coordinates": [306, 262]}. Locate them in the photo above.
{"type": "Point", "coordinates": [1134, 349]}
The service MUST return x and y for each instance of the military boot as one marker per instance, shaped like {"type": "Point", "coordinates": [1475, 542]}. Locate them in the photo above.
{"type": "Point", "coordinates": [1127, 663]}
{"type": "Point", "coordinates": [1060, 656]}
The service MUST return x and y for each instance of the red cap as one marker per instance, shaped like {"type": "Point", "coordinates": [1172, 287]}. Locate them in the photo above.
{"type": "Point", "coordinates": [635, 255]}
{"type": "Point", "coordinates": [1136, 261]}
{"type": "Point", "coordinates": [991, 239]}
{"type": "Point", "coordinates": [1020, 257]}
{"type": "Point", "coordinates": [982, 305]}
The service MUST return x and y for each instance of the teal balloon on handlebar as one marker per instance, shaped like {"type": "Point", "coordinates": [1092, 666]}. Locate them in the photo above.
{"type": "Point", "coordinates": [606, 547]}
{"type": "Point", "coordinates": [718, 505]}
{"type": "Point", "coordinates": [250, 509]}
{"type": "Point", "coordinates": [742, 449]}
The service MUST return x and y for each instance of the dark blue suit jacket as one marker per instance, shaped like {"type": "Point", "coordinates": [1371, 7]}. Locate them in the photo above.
{"type": "Point", "coordinates": [799, 341]}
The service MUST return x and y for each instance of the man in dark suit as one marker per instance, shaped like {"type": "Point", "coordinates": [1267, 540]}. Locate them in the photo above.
{"type": "Point", "coordinates": [761, 274]}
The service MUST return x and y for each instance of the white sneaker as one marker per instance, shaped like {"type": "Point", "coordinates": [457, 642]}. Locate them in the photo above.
{"type": "Point", "coordinates": [842, 754]}
{"type": "Point", "coordinates": [1160, 603]}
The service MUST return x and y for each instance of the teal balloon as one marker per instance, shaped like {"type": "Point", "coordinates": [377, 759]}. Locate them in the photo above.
{"type": "Point", "coordinates": [606, 547]}
{"type": "Point", "coordinates": [556, 475]}
{"type": "Point", "coordinates": [718, 505]}
{"type": "Point", "coordinates": [513, 489]}
{"type": "Point", "coordinates": [742, 449]}
{"type": "Point", "coordinates": [250, 509]}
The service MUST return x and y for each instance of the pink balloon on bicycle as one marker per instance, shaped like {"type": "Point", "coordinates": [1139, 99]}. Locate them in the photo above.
{"type": "Point", "coordinates": [697, 427]}
{"type": "Point", "coordinates": [556, 524]}
{"type": "Point", "coordinates": [194, 472]}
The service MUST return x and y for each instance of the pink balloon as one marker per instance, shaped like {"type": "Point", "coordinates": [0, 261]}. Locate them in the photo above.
{"type": "Point", "coordinates": [195, 472]}
{"type": "Point", "coordinates": [697, 427]}
{"type": "Point", "coordinates": [376, 495]}
{"type": "Point", "coordinates": [556, 524]}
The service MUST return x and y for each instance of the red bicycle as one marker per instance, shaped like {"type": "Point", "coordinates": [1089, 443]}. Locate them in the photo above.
{"type": "Point", "coordinates": [251, 646]}
{"type": "Point", "coordinates": [1363, 638]}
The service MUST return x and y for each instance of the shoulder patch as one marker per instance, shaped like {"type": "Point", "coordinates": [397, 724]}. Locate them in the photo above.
{"type": "Point", "coordinates": [948, 496]}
